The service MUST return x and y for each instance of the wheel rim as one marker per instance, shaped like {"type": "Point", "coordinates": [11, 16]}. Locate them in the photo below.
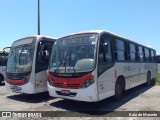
{"type": "Point", "coordinates": [118, 90]}
{"type": "Point", "coordinates": [148, 79]}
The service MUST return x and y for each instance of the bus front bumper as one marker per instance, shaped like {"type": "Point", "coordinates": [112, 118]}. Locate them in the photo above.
{"type": "Point", "coordinates": [26, 88]}
{"type": "Point", "coordinates": [88, 94]}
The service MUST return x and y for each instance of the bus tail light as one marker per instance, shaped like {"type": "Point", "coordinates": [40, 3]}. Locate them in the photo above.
{"type": "Point", "coordinates": [88, 82]}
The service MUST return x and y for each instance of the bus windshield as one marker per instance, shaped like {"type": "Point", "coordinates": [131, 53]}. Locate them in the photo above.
{"type": "Point", "coordinates": [3, 58]}
{"type": "Point", "coordinates": [74, 54]}
{"type": "Point", "coordinates": [20, 59]}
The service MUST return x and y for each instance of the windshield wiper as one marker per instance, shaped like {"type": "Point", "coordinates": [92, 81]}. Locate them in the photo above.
{"type": "Point", "coordinates": [68, 55]}
{"type": "Point", "coordinates": [74, 69]}
{"type": "Point", "coordinates": [63, 61]}
{"type": "Point", "coordinates": [57, 68]}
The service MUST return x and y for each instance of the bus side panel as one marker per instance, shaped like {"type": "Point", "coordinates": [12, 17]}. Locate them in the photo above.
{"type": "Point", "coordinates": [156, 69]}
{"type": "Point", "coordinates": [152, 67]}
{"type": "Point", "coordinates": [106, 84]}
{"type": "Point", "coordinates": [122, 69]}
{"type": "Point", "coordinates": [134, 73]}
{"type": "Point", "coordinates": [3, 71]}
{"type": "Point", "coordinates": [41, 81]}
{"type": "Point", "coordinates": [142, 73]}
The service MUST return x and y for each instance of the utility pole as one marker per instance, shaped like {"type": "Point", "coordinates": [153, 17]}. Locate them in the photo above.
{"type": "Point", "coordinates": [38, 17]}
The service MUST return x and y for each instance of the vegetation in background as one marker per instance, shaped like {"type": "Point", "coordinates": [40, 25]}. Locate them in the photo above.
{"type": "Point", "coordinates": [158, 79]}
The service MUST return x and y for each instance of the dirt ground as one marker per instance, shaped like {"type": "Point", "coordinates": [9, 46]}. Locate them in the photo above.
{"type": "Point", "coordinates": [141, 98]}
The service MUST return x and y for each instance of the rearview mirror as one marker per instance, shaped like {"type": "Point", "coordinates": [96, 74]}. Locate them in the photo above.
{"type": "Point", "coordinates": [105, 47]}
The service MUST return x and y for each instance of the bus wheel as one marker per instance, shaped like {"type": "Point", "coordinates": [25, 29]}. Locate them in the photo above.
{"type": "Point", "coordinates": [148, 79]}
{"type": "Point", "coordinates": [1, 79]}
{"type": "Point", "coordinates": [118, 90]}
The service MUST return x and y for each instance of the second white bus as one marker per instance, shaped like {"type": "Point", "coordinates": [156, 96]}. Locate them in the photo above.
{"type": "Point", "coordinates": [27, 64]}
{"type": "Point", "coordinates": [94, 65]}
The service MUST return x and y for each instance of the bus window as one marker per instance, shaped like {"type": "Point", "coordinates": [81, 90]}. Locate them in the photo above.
{"type": "Point", "coordinates": [147, 55]}
{"type": "Point", "coordinates": [43, 52]}
{"type": "Point", "coordinates": [105, 56]}
{"type": "Point", "coordinates": [3, 59]}
{"type": "Point", "coordinates": [132, 49]}
{"type": "Point", "coordinates": [140, 54]}
{"type": "Point", "coordinates": [120, 50]}
{"type": "Point", "coordinates": [152, 56]}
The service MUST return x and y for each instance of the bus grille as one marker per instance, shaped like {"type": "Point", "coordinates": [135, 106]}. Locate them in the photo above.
{"type": "Point", "coordinates": [65, 85]}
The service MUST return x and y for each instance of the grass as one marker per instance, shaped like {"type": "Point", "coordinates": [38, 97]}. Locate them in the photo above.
{"type": "Point", "coordinates": [158, 79]}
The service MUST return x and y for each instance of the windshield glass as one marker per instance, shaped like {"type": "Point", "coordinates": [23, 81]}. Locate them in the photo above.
{"type": "Point", "coordinates": [74, 54]}
{"type": "Point", "coordinates": [20, 59]}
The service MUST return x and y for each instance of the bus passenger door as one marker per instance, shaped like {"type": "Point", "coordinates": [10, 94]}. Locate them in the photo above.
{"type": "Point", "coordinates": [105, 69]}
{"type": "Point", "coordinates": [42, 61]}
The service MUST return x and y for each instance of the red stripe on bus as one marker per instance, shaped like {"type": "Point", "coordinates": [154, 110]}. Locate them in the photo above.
{"type": "Point", "coordinates": [73, 83]}
{"type": "Point", "coordinates": [16, 82]}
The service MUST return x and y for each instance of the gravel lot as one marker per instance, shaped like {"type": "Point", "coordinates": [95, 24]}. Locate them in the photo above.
{"type": "Point", "coordinates": [140, 98]}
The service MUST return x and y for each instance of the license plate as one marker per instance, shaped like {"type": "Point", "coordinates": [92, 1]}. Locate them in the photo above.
{"type": "Point", "coordinates": [65, 91]}
{"type": "Point", "coordinates": [15, 88]}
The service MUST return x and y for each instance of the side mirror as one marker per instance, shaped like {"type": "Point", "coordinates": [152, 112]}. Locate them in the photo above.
{"type": "Point", "coordinates": [105, 47]}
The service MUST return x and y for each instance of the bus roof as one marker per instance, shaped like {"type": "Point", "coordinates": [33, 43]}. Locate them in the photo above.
{"type": "Point", "coordinates": [37, 36]}
{"type": "Point", "coordinates": [93, 31]}
{"type": "Point", "coordinates": [104, 31]}
{"type": "Point", "coordinates": [30, 39]}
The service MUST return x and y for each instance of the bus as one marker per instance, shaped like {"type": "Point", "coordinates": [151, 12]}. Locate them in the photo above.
{"type": "Point", "coordinates": [28, 63]}
{"type": "Point", "coordinates": [94, 65]}
{"type": "Point", "coordinates": [3, 64]}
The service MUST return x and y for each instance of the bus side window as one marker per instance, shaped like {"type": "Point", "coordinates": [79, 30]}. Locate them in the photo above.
{"type": "Point", "coordinates": [152, 55]}
{"type": "Point", "coordinates": [120, 50]}
{"type": "Point", "coordinates": [105, 56]}
{"type": "Point", "coordinates": [3, 59]}
{"type": "Point", "coordinates": [140, 54]}
{"type": "Point", "coordinates": [147, 55]}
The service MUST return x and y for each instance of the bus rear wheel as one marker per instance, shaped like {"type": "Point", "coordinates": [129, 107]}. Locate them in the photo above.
{"type": "Point", "coordinates": [148, 83]}
{"type": "Point", "coordinates": [118, 91]}
{"type": "Point", "coordinates": [1, 79]}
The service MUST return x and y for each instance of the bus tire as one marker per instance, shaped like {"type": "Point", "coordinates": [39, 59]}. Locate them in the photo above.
{"type": "Point", "coordinates": [1, 79]}
{"type": "Point", "coordinates": [118, 90]}
{"type": "Point", "coordinates": [148, 83]}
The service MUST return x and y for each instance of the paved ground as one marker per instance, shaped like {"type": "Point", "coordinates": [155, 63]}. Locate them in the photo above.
{"type": "Point", "coordinates": [140, 98]}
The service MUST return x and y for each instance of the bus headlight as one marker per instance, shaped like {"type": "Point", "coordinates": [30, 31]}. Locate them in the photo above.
{"type": "Point", "coordinates": [88, 83]}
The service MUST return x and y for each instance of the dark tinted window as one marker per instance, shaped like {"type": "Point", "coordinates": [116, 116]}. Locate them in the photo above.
{"type": "Point", "coordinates": [132, 49]}
{"type": "Point", "coordinates": [140, 54]}
{"type": "Point", "coordinates": [43, 54]}
{"type": "Point", "coordinates": [3, 59]}
{"type": "Point", "coordinates": [152, 55]}
{"type": "Point", "coordinates": [105, 54]}
{"type": "Point", "coordinates": [120, 50]}
{"type": "Point", "coordinates": [147, 54]}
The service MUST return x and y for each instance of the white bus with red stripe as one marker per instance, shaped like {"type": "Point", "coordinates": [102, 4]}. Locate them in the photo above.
{"type": "Point", "coordinates": [94, 65]}
{"type": "Point", "coordinates": [28, 63]}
